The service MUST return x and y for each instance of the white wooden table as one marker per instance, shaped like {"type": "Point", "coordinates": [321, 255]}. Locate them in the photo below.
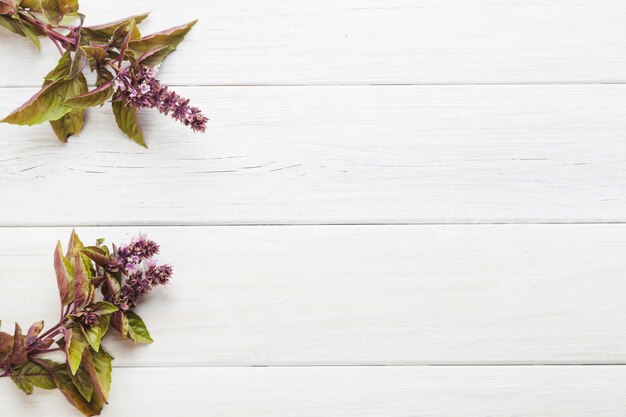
{"type": "Point", "coordinates": [385, 186]}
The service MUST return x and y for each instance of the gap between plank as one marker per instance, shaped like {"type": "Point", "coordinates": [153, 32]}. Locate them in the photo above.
{"type": "Point", "coordinates": [461, 365]}
{"type": "Point", "coordinates": [357, 84]}
{"type": "Point", "coordinates": [227, 224]}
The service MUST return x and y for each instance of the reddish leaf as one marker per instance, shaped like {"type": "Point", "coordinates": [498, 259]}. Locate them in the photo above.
{"type": "Point", "coordinates": [81, 282]}
{"type": "Point", "coordinates": [33, 332]}
{"type": "Point", "coordinates": [6, 346]}
{"type": "Point", "coordinates": [64, 279]}
{"type": "Point", "coordinates": [18, 356]}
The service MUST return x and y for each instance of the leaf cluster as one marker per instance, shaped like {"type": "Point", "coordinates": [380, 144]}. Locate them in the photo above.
{"type": "Point", "coordinates": [85, 280]}
{"type": "Point", "coordinates": [106, 50]}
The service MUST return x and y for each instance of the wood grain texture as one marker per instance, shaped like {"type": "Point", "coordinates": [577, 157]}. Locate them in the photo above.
{"type": "Point", "coordinates": [368, 41]}
{"type": "Point", "coordinates": [302, 155]}
{"type": "Point", "coordinates": [572, 391]}
{"type": "Point", "coordinates": [372, 295]}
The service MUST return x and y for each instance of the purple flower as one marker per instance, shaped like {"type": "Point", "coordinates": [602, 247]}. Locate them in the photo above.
{"type": "Point", "coordinates": [90, 319]}
{"type": "Point", "coordinates": [159, 275]}
{"type": "Point", "coordinates": [139, 267]}
{"type": "Point", "coordinates": [139, 87]}
{"type": "Point", "coordinates": [139, 249]}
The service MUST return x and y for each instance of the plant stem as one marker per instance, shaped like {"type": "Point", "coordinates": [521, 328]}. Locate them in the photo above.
{"type": "Point", "coordinates": [40, 352]}
{"type": "Point", "coordinates": [42, 364]}
{"type": "Point", "coordinates": [52, 329]}
{"type": "Point", "coordinates": [47, 29]}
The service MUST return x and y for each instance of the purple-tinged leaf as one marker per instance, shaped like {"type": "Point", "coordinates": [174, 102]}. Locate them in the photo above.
{"type": "Point", "coordinates": [137, 330]}
{"type": "Point", "coordinates": [73, 247]}
{"type": "Point", "coordinates": [82, 381]}
{"type": "Point", "coordinates": [96, 55]}
{"type": "Point", "coordinates": [122, 36]}
{"type": "Point", "coordinates": [95, 97]}
{"type": "Point", "coordinates": [55, 10]}
{"type": "Point", "coordinates": [110, 287]}
{"type": "Point", "coordinates": [78, 63]}
{"type": "Point", "coordinates": [94, 334]}
{"type": "Point", "coordinates": [150, 52]}
{"type": "Point", "coordinates": [45, 105]}
{"type": "Point", "coordinates": [75, 344]}
{"type": "Point", "coordinates": [72, 122]}
{"type": "Point", "coordinates": [31, 34]}
{"type": "Point", "coordinates": [33, 332]}
{"type": "Point", "coordinates": [18, 356]}
{"type": "Point", "coordinates": [128, 122]}
{"type": "Point", "coordinates": [97, 254]}
{"type": "Point", "coordinates": [62, 68]}
{"type": "Point", "coordinates": [33, 374]}
{"type": "Point", "coordinates": [11, 24]}
{"type": "Point", "coordinates": [69, 125]}
{"type": "Point", "coordinates": [65, 275]}
{"type": "Point", "coordinates": [6, 346]}
{"type": "Point", "coordinates": [82, 281]}
{"type": "Point", "coordinates": [7, 7]}
{"type": "Point", "coordinates": [120, 323]}
{"type": "Point", "coordinates": [64, 383]}
{"type": "Point", "coordinates": [105, 31]}
{"type": "Point", "coordinates": [102, 308]}
{"type": "Point", "coordinates": [169, 39]}
{"type": "Point", "coordinates": [99, 366]}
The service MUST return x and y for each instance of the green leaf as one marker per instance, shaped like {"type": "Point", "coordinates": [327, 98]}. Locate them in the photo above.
{"type": "Point", "coordinates": [97, 254]}
{"type": "Point", "coordinates": [55, 10]}
{"type": "Point", "coordinates": [102, 308]}
{"type": "Point", "coordinates": [48, 103]}
{"type": "Point", "coordinates": [34, 5]}
{"type": "Point", "coordinates": [62, 68]}
{"type": "Point", "coordinates": [64, 383]}
{"type": "Point", "coordinates": [102, 362]}
{"type": "Point", "coordinates": [82, 381]}
{"type": "Point", "coordinates": [78, 63]}
{"type": "Point", "coordinates": [44, 106]}
{"type": "Point", "coordinates": [95, 333]}
{"type": "Point", "coordinates": [123, 35]}
{"type": "Point", "coordinates": [95, 97]}
{"type": "Point", "coordinates": [72, 122]}
{"type": "Point", "coordinates": [75, 344]}
{"type": "Point", "coordinates": [169, 39]}
{"type": "Point", "coordinates": [105, 31]}
{"type": "Point", "coordinates": [137, 330]}
{"type": "Point", "coordinates": [73, 247]}
{"type": "Point", "coordinates": [32, 374]}
{"type": "Point", "coordinates": [68, 125]}
{"type": "Point", "coordinates": [31, 35]}
{"type": "Point", "coordinates": [96, 55]}
{"type": "Point", "coordinates": [23, 384]}
{"type": "Point", "coordinates": [11, 24]}
{"type": "Point", "coordinates": [98, 366]}
{"type": "Point", "coordinates": [128, 122]}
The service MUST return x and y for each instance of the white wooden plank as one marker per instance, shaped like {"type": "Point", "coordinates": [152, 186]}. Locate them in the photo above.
{"type": "Point", "coordinates": [336, 295]}
{"type": "Point", "coordinates": [403, 154]}
{"type": "Point", "coordinates": [368, 41]}
{"type": "Point", "coordinates": [572, 391]}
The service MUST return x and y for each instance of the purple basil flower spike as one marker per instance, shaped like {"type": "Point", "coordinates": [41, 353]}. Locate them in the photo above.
{"type": "Point", "coordinates": [138, 87]}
